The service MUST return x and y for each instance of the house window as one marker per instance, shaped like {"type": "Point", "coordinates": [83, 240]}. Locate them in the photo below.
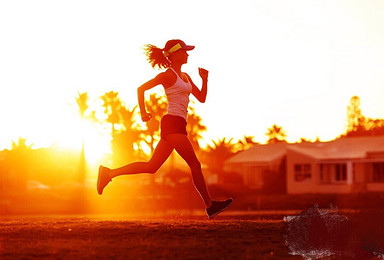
{"type": "Point", "coordinates": [302, 172]}
{"type": "Point", "coordinates": [378, 172]}
{"type": "Point", "coordinates": [333, 173]}
{"type": "Point", "coordinates": [340, 172]}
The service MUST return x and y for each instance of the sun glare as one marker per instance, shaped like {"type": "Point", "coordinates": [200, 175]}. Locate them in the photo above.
{"type": "Point", "coordinates": [79, 132]}
{"type": "Point", "coordinates": [97, 145]}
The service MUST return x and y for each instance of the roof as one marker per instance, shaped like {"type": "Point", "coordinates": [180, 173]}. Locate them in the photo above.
{"type": "Point", "coordinates": [261, 154]}
{"type": "Point", "coordinates": [343, 148]}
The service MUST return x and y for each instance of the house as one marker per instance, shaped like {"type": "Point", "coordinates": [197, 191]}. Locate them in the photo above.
{"type": "Point", "coordinates": [345, 165]}
{"type": "Point", "coordinates": [252, 163]}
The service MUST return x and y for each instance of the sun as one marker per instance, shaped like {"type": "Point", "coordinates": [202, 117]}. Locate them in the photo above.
{"type": "Point", "coordinates": [97, 143]}
{"type": "Point", "coordinates": [79, 133]}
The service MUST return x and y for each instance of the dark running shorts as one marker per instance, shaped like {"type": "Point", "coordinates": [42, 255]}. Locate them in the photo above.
{"type": "Point", "coordinates": [172, 125]}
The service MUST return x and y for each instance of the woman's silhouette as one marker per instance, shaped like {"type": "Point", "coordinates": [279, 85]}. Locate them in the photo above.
{"type": "Point", "coordinates": [178, 86]}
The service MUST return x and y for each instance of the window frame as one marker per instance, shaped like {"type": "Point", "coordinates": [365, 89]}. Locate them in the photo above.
{"type": "Point", "coordinates": [302, 172]}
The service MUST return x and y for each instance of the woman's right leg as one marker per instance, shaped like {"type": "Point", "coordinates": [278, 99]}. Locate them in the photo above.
{"type": "Point", "coordinates": [185, 150]}
{"type": "Point", "coordinates": [160, 155]}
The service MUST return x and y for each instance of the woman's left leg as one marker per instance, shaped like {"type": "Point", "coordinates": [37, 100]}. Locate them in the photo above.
{"type": "Point", "coordinates": [162, 152]}
{"type": "Point", "coordinates": [160, 155]}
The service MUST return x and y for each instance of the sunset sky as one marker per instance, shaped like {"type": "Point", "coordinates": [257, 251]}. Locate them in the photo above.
{"type": "Point", "coordinates": [295, 63]}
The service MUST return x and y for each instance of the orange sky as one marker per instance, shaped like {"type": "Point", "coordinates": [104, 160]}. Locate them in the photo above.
{"type": "Point", "coordinates": [293, 63]}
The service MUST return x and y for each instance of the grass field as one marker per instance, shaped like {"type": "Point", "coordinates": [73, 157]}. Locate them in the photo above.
{"type": "Point", "coordinates": [311, 234]}
{"type": "Point", "coordinates": [96, 237]}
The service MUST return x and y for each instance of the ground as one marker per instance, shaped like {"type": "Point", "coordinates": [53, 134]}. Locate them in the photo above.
{"type": "Point", "coordinates": [171, 237]}
{"type": "Point", "coordinates": [311, 234]}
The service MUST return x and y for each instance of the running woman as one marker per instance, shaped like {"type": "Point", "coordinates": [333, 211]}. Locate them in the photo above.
{"type": "Point", "coordinates": [178, 86]}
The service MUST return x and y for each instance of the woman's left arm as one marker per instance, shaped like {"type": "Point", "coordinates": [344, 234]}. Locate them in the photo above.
{"type": "Point", "coordinates": [200, 94]}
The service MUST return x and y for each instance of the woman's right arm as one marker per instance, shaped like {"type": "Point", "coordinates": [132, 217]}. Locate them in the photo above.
{"type": "Point", "coordinates": [159, 79]}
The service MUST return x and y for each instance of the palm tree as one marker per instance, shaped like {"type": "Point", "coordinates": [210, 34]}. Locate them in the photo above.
{"type": "Point", "coordinates": [21, 145]}
{"type": "Point", "coordinates": [356, 120]}
{"type": "Point", "coordinates": [245, 143]}
{"type": "Point", "coordinates": [126, 133]}
{"type": "Point", "coordinates": [219, 152]}
{"type": "Point", "coordinates": [276, 134]}
{"type": "Point", "coordinates": [195, 128]}
{"type": "Point", "coordinates": [82, 104]}
{"type": "Point", "coordinates": [157, 106]}
{"type": "Point", "coordinates": [125, 142]}
{"type": "Point", "coordinates": [112, 105]}
{"type": "Point", "coordinates": [358, 124]}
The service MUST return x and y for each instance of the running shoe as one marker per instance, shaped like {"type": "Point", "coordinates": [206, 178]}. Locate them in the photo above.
{"type": "Point", "coordinates": [102, 179]}
{"type": "Point", "coordinates": [218, 207]}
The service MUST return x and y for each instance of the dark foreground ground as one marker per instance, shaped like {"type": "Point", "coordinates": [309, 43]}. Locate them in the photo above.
{"type": "Point", "coordinates": [312, 234]}
{"type": "Point", "coordinates": [63, 237]}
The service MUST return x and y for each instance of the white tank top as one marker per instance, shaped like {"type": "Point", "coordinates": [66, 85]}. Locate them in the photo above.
{"type": "Point", "coordinates": [178, 97]}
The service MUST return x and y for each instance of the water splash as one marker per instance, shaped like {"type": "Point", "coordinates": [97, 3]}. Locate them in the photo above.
{"type": "Point", "coordinates": [316, 233]}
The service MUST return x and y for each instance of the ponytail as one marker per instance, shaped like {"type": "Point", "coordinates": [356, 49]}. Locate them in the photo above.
{"type": "Point", "coordinates": [156, 57]}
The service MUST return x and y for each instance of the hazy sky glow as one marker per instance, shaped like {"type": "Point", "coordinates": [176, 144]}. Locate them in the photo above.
{"type": "Point", "coordinates": [293, 63]}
